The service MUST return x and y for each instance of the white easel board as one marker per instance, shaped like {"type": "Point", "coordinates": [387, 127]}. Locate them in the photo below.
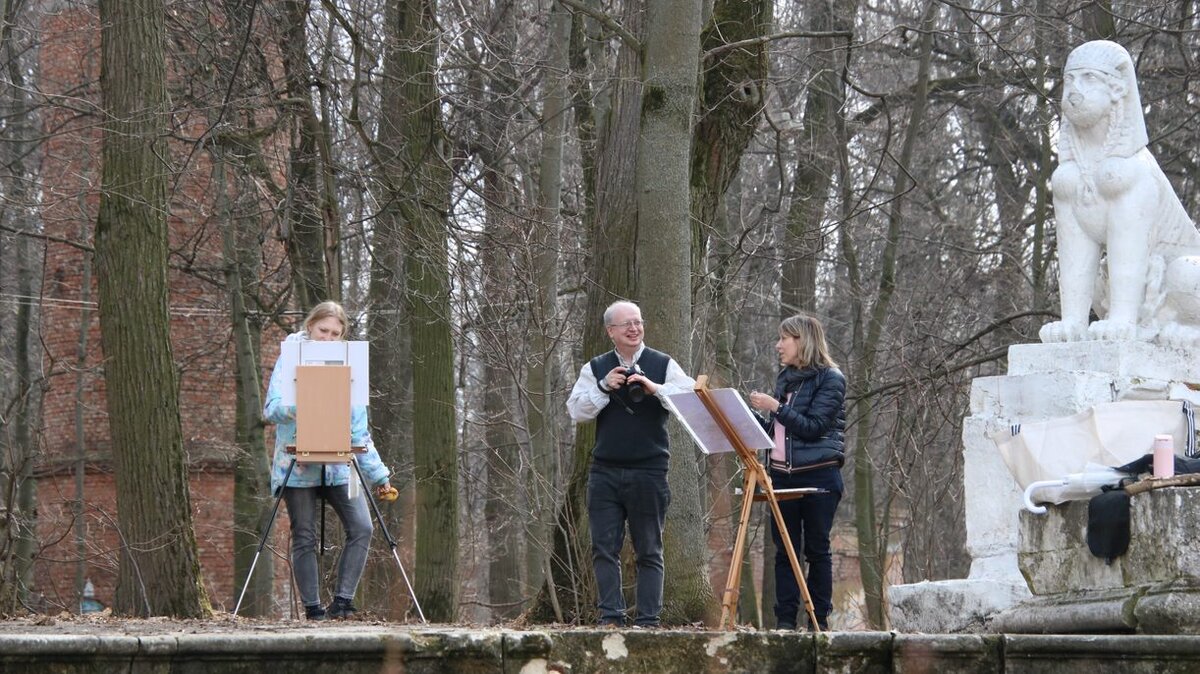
{"type": "Point", "coordinates": [691, 412]}
{"type": "Point", "coordinates": [354, 354]}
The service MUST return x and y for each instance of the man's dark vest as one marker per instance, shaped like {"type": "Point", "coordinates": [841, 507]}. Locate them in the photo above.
{"type": "Point", "coordinates": [629, 434]}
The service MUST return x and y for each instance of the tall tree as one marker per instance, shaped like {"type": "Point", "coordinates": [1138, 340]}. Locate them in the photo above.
{"type": "Point", "coordinates": [570, 590]}
{"type": "Point", "coordinates": [417, 191]}
{"type": "Point", "coordinates": [236, 157]}
{"type": "Point", "coordinates": [18, 270]}
{"type": "Point", "coordinates": [387, 323]}
{"type": "Point", "coordinates": [731, 99]}
{"type": "Point", "coordinates": [542, 319]}
{"type": "Point", "coordinates": [159, 571]}
{"type": "Point", "coordinates": [664, 264]}
{"type": "Point", "coordinates": [733, 92]}
{"type": "Point", "coordinates": [872, 539]}
{"type": "Point", "coordinates": [310, 211]}
{"type": "Point", "coordinates": [251, 487]}
{"type": "Point", "coordinates": [804, 239]}
{"type": "Point", "coordinates": [504, 511]}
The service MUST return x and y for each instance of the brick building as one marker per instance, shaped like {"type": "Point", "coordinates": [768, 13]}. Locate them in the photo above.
{"type": "Point", "coordinates": [76, 492]}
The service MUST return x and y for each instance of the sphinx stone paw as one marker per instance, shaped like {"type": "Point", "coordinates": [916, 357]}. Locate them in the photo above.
{"type": "Point", "coordinates": [1062, 331]}
{"type": "Point", "coordinates": [1179, 336]}
{"type": "Point", "coordinates": [1112, 331]}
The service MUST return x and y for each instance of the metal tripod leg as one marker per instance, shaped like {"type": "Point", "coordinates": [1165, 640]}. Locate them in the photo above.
{"type": "Point", "coordinates": [266, 533]}
{"type": "Point", "coordinates": [388, 535]}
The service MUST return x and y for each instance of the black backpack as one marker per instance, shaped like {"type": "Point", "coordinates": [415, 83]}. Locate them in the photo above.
{"type": "Point", "coordinates": [1108, 524]}
{"type": "Point", "coordinates": [1108, 512]}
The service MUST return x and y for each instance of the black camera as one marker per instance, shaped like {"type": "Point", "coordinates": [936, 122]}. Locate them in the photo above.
{"type": "Point", "coordinates": [637, 393]}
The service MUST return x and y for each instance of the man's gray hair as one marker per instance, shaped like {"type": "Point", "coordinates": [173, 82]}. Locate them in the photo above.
{"type": "Point", "coordinates": [612, 309]}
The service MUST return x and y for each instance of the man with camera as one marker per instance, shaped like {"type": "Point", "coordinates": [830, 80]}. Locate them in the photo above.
{"type": "Point", "coordinates": [623, 391]}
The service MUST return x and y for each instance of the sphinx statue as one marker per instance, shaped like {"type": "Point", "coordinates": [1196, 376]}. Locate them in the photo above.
{"type": "Point", "coordinates": [1126, 247]}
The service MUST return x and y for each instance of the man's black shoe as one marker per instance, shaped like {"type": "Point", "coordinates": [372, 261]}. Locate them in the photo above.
{"type": "Point", "coordinates": [781, 625]}
{"type": "Point", "coordinates": [341, 608]}
{"type": "Point", "coordinates": [314, 612]}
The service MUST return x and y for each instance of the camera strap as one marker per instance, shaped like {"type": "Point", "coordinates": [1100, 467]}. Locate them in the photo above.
{"type": "Point", "coordinates": [613, 396]}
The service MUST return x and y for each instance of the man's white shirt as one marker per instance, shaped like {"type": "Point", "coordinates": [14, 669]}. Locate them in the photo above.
{"type": "Point", "coordinates": [587, 400]}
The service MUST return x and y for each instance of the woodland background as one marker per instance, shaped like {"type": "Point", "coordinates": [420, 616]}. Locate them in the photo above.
{"type": "Point", "coordinates": [476, 180]}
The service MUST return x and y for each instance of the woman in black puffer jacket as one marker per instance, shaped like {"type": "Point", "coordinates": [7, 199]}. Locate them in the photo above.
{"type": "Point", "coordinates": [807, 421]}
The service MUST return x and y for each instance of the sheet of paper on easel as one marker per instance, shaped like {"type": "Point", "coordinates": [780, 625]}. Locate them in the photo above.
{"type": "Point", "coordinates": [354, 354]}
{"type": "Point", "coordinates": [691, 412]}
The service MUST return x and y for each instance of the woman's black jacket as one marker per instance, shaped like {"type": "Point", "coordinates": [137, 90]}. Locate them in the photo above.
{"type": "Point", "coordinates": [814, 419]}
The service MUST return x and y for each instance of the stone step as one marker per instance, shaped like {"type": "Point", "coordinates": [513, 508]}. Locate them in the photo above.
{"type": "Point", "coordinates": [1115, 359]}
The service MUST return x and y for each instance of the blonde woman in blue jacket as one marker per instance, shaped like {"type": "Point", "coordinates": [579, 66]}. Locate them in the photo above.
{"type": "Point", "coordinates": [808, 421]}
{"type": "Point", "coordinates": [310, 482]}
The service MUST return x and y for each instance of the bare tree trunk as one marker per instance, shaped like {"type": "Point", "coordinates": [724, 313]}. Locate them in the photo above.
{"type": "Point", "coordinates": [251, 483]}
{"type": "Point", "coordinates": [434, 417]}
{"type": "Point", "coordinates": [804, 239]}
{"type": "Point", "coordinates": [540, 403]}
{"type": "Point", "coordinates": [734, 90]}
{"type": "Point", "coordinates": [664, 264]}
{"type": "Point", "coordinates": [19, 395]}
{"type": "Point", "coordinates": [731, 100]}
{"type": "Point", "coordinates": [1041, 211]}
{"type": "Point", "coordinates": [611, 235]}
{"type": "Point", "coordinates": [389, 323]}
{"type": "Point", "coordinates": [504, 510]}
{"type": "Point", "coordinates": [83, 377]}
{"type": "Point", "coordinates": [872, 543]}
{"type": "Point", "coordinates": [417, 191]}
{"type": "Point", "coordinates": [308, 212]}
{"type": "Point", "coordinates": [242, 74]}
{"type": "Point", "coordinates": [391, 403]}
{"type": "Point", "coordinates": [160, 571]}
{"type": "Point", "coordinates": [1098, 20]}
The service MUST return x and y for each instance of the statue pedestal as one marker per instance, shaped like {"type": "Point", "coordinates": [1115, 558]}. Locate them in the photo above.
{"type": "Point", "coordinates": [1154, 588]}
{"type": "Point", "coordinates": [1043, 381]}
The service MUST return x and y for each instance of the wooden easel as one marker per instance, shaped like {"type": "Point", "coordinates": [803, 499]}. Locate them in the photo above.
{"type": "Point", "coordinates": [755, 478]}
{"type": "Point", "coordinates": [322, 414]}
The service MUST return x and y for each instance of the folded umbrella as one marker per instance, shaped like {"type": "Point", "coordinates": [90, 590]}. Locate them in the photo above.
{"type": "Point", "coordinates": [1072, 487]}
{"type": "Point", "coordinates": [1108, 434]}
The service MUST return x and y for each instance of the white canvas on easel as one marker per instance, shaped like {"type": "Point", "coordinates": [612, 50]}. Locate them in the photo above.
{"type": "Point", "coordinates": [700, 424]}
{"type": "Point", "coordinates": [354, 354]}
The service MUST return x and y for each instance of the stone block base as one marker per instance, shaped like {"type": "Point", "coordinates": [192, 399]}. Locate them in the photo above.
{"type": "Point", "coordinates": [1154, 588]}
{"type": "Point", "coordinates": [951, 606]}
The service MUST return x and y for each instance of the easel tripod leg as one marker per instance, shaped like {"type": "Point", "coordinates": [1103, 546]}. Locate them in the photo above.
{"type": "Point", "coordinates": [391, 541]}
{"type": "Point", "coordinates": [266, 533]}
{"type": "Point", "coordinates": [733, 582]}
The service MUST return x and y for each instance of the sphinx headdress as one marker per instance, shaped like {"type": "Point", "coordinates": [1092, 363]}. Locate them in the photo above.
{"type": "Point", "coordinates": [1127, 136]}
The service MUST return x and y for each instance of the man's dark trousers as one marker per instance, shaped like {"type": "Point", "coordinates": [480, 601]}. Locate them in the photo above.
{"type": "Point", "coordinates": [640, 497]}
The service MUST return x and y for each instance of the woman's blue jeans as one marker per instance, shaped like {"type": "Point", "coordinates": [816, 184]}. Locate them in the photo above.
{"type": "Point", "coordinates": [304, 508]}
{"type": "Point", "coordinates": [809, 521]}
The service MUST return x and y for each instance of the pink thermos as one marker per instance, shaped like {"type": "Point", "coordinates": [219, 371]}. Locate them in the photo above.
{"type": "Point", "coordinates": [1164, 456]}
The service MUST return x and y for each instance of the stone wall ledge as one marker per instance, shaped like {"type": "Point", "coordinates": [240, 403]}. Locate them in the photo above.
{"type": "Point", "coordinates": [375, 648]}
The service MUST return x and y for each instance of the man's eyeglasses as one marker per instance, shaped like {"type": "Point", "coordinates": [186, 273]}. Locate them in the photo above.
{"type": "Point", "coordinates": [635, 323]}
